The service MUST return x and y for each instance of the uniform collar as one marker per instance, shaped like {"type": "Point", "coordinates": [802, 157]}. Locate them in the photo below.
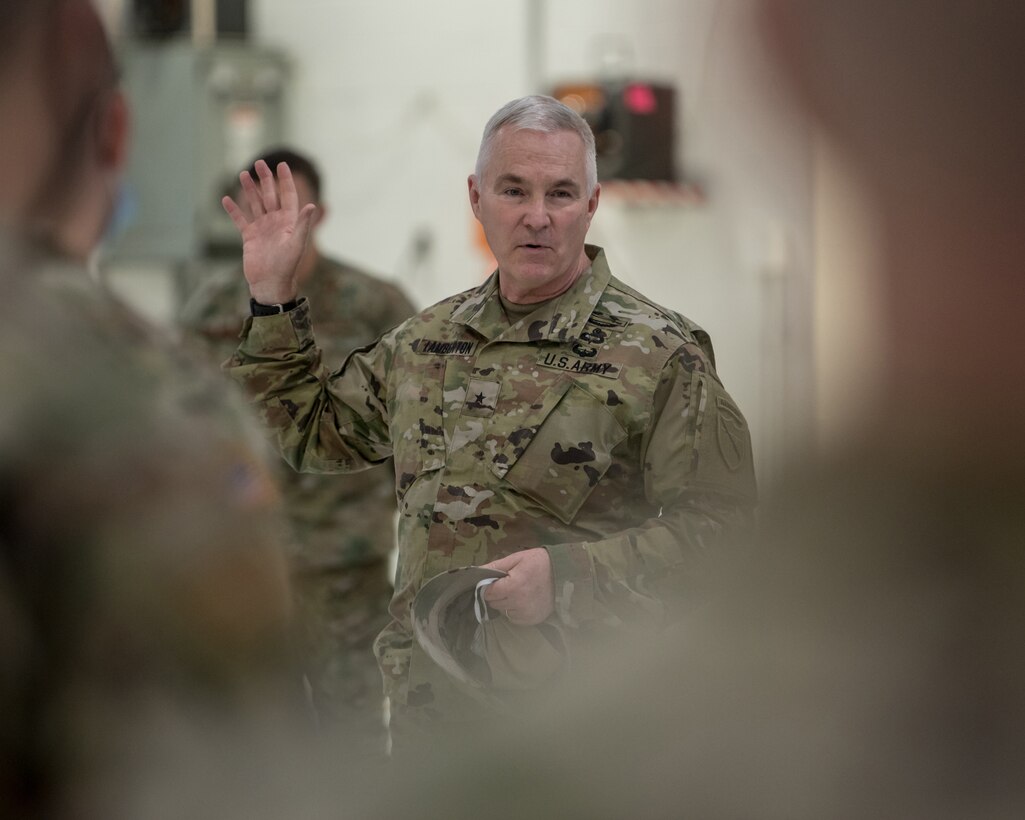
{"type": "Point", "coordinates": [561, 319]}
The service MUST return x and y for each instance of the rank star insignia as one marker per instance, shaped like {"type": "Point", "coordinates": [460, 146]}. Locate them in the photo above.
{"type": "Point", "coordinates": [481, 397]}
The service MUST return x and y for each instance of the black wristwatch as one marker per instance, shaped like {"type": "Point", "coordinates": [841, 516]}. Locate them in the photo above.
{"type": "Point", "coordinates": [258, 309]}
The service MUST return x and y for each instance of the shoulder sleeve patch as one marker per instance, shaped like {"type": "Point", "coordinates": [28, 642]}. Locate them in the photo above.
{"type": "Point", "coordinates": [722, 447]}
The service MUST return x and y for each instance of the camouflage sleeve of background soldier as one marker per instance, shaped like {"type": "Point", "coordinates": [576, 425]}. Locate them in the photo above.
{"type": "Point", "coordinates": [698, 467]}
{"type": "Point", "coordinates": [212, 314]}
{"type": "Point", "coordinates": [321, 422]}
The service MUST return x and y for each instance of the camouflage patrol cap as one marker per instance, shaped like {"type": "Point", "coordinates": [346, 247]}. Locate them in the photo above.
{"type": "Point", "coordinates": [485, 654]}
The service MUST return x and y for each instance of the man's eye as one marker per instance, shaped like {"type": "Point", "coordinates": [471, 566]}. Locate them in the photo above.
{"type": "Point", "coordinates": [561, 194]}
{"type": "Point", "coordinates": [512, 192]}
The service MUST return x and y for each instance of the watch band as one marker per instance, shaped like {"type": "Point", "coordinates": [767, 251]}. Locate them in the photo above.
{"type": "Point", "coordinates": [259, 309]}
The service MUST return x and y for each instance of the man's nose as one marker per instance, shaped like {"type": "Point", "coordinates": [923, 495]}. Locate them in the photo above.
{"type": "Point", "coordinates": [536, 216]}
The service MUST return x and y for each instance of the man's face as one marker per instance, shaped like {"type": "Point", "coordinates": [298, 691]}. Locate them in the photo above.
{"type": "Point", "coordinates": [533, 203]}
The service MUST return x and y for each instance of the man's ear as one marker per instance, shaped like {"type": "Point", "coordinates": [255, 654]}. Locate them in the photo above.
{"type": "Point", "coordinates": [114, 132]}
{"type": "Point", "coordinates": [474, 191]}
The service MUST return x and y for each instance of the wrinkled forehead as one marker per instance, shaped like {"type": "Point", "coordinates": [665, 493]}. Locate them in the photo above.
{"type": "Point", "coordinates": [527, 151]}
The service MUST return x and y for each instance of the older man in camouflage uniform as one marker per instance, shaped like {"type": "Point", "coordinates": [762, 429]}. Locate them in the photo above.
{"type": "Point", "coordinates": [867, 660]}
{"type": "Point", "coordinates": [553, 422]}
{"type": "Point", "coordinates": [342, 526]}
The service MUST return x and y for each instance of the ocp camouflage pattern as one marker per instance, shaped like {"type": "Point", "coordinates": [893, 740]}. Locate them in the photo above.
{"type": "Point", "coordinates": [595, 427]}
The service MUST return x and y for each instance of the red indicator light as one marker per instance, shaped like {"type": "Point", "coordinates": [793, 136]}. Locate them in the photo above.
{"type": "Point", "coordinates": [639, 99]}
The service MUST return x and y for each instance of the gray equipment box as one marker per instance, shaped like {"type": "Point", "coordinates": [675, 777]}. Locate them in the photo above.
{"type": "Point", "coordinates": [198, 116]}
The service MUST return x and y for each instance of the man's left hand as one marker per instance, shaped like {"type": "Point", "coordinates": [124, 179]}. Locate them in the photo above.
{"type": "Point", "coordinates": [527, 594]}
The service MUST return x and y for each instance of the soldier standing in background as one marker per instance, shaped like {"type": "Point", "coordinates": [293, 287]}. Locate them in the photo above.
{"type": "Point", "coordinates": [552, 423]}
{"type": "Point", "coordinates": [342, 527]}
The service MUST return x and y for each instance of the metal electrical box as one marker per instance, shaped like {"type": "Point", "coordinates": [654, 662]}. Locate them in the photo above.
{"type": "Point", "coordinates": [634, 125]}
{"type": "Point", "coordinates": [199, 116]}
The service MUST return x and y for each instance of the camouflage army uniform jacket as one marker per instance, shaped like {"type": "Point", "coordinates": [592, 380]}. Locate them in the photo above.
{"type": "Point", "coordinates": [336, 521]}
{"type": "Point", "coordinates": [595, 427]}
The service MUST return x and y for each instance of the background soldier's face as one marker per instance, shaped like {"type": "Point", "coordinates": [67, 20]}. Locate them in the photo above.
{"type": "Point", "coordinates": [534, 206]}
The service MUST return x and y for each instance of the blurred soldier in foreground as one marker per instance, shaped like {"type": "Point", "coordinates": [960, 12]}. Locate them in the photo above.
{"type": "Point", "coordinates": [552, 423]}
{"type": "Point", "coordinates": [342, 526]}
{"type": "Point", "coordinates": [143, 603]}
{"type": "Point", "coordinates": [867, 660]}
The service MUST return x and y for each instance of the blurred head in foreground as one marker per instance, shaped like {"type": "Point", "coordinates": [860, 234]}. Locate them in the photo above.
{"type": "Point", "coordinates": [63, 123]}
{"type": "Point", "coordinates": [926, 102]}
{"type": "Point", "coordinates": [144, 602]}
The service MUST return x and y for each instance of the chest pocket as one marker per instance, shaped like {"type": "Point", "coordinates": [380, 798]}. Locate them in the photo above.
{"type": "Point", "coordinates": [563, 454]}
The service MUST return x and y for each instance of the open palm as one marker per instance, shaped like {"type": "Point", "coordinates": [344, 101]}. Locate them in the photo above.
{"type": "Point", "coordinates": [274, 232]}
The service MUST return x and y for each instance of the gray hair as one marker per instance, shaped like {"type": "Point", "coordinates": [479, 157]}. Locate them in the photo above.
{"type": "Point", "coordinates": [539, 113]}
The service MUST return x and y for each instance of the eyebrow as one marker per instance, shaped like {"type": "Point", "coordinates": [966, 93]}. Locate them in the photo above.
{"type": "Point", "coordinates": [513, 179]}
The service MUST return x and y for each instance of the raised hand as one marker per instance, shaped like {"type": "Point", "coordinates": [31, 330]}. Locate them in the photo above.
{"type": "Point", "coordinates": [274, 232]}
